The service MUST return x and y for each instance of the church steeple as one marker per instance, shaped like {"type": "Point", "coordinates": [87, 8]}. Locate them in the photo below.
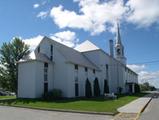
{"type": "Point", "coordinates": [119, 48]}
{"type": "Point", "coordinates": [118, 37]}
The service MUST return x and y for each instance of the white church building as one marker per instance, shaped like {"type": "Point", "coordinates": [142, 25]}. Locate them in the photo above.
{"type": "Point", "coordinates": [53, 65]}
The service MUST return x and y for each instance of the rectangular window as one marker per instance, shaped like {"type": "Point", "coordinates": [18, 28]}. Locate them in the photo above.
{"type": "Point", "coordinates": [45, 72]}
{"type": "Point", "coordinates": [94, 71]}
{"type": "Point", "coordinates": [107, 66]}
{"type": "Point", "coordinates": [86, 69]}
{"type": "Point", "coordinates": [38, 49]}
{"type": "Point", "coordinates": [45, 77]}
{"type": "Point", "coordinates": [45, 65]}
{"type": "Point", "coordinates": [76, 79]}
{"type": "Point", "coordinates": [51, 58]}
{"type": "Point", "coordinates": [45, 88]}
{"type": "Point", "coordinates": [51, 52]}
{"type": "Point", "coordinates": [76, 67]}
{"type": "Point", "coordinates": [51, 48]}
{"type": "Point", "coordinates": [76, 90]}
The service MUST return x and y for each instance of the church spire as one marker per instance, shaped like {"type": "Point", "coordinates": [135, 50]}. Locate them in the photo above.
{"type": "Point", "coordinates": [119, 48]}
{"type": "Point", "coordinates": [118, 37]}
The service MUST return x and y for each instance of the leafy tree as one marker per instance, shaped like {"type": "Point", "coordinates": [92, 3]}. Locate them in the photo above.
{"type": "Point", "coordinates": [88, 89]}
{"type": "Point", "coordinates": [106, 87]}
{"type": "Point", "coordinates": [10, 54]}
{"type": "Point", "coordinates": [96, 88]}
{"type": "Point", "coordinates": [147, 87]}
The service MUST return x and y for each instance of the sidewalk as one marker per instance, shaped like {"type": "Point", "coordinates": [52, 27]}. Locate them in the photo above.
{"type": "Point", "coordinates": [132, 110]}
{"type": "Point", "coordinates": [135, 106]}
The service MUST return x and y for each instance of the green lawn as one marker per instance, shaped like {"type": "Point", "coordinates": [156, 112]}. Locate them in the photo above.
{"type": "Point", "coordinates": [93, 104]}
{"type": "Point", "coordinates": [7, 97]}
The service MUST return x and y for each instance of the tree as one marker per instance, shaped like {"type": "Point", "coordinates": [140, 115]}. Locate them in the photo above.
{"type": "Point", "coordinates": [96, 88]}
{"type": "Point", "coordinates": [10, 54]}
{"type": "Point", "coordinates": [106, 87]}
{"type": "Point", "coordinates": [88, 89]}
{"type": "Point", "coordinates": [147, 87]}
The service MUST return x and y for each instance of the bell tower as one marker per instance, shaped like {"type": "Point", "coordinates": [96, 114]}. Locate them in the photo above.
{"type": "Point", "coordinates": [119, 48]}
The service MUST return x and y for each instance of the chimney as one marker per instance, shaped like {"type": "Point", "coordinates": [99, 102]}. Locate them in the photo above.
{"type": "Point", "coordinates": [111, 45]}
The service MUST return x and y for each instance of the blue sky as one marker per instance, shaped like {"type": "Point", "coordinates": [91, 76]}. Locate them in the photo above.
{"type": "Point", "coordinates": [95, 20]}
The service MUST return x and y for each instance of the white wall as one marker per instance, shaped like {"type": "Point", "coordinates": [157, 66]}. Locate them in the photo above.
{"type": "Point", "coordinates": [116, 72]}
{"type": "Point", "coordinates": [26, 79]}
{"type": "Point", "coordinates": [40, 78]}
{"type": "Point", "coordinates": [82, 76]}
{"type": "Point", "coordinates": [61, 74]}
{"type": "Point", "coordinates": [31, 79]}
{"type": "Point", "coordinates": [60, 70]}
{"type": "Point", "coordinates": [57, 71]}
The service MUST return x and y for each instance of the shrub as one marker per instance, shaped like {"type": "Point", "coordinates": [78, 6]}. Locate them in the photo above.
{"type": "Point", "coordinates": [120, 89]}
{"type": "Point", "coordinates": [96, 88]}
{"type": "Point", "coordinates": [88, 89]}
{"type": "Point", "coordinates": [53, 95]}
{"type": "Point", "coordinates": [106, 87]}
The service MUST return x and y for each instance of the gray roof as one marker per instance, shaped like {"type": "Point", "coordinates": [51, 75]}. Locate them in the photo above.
{"type": "Point", "coordinates": [35, 56]}
{"type": "Point", "coordinates": [86, 46]}
{"type": "Point", "coordinates": [70, 54]}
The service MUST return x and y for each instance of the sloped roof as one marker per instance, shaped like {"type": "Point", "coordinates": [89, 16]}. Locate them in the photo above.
{"type": "Point", "coordinates": [35, 56]}
{"type": "Point", "coordinates": [86, 46]}
{"type": "Point", "coordinates": [73, 56]}
{"type": "Point", "coordinates": [70, 54]}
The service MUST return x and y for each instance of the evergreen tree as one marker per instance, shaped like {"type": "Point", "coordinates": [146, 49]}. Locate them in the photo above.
{"type": "Point", "coordinates": [96, 88]}
{"type": "Point", "coordinates": [106, 87]}
{"type": "Point", "coordinates": [88, 89]}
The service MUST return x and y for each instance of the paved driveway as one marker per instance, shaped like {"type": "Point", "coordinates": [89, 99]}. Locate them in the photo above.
{"type": "Point", "coordinates": [13, 113]}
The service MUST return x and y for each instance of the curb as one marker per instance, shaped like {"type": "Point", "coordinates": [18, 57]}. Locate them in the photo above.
{"type": "Point", "coordinates": [138, 115]}
{"type": "Point", "coordinates": [63, 110]}
{"type": "Point", "coordinates": [57, 110]}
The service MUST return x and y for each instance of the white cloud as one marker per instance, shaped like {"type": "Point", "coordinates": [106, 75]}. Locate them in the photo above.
{"type": "Point", "coordinates": [146, 76]}
{"type": "Point", "coordinates": [43, 14]}
{"type": "Point", "coordinates": [36, 5]}
{"type": "Point", "coordinates": [97, 16]}
{"type": "Point", "coordinates": [137, 68]}
{"type": "Point", "coordinates": [33, 42]}
{"type": "Point", "coordinates": [42, 3]}
{"type": "Point", "coordinates": [143, 12]}
{"type": "Point", "coordinates": [67, 38]}
{"type": "Point", "coordinates": [93, 16]}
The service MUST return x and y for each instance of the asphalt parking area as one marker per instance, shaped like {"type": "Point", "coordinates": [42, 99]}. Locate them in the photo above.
{"type": "Point", "coordinates": [14, 113]}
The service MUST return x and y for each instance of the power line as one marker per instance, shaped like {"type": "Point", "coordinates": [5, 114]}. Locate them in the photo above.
{"type": "Point", "coordinates": [147, 62]}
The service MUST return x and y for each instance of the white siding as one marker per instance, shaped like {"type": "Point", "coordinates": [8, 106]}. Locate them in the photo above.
{"type": "Point", "coordinates": [60, 78]}
{"type": "Point", "coordinates": [26, 80]}
{"type": "Point", "coordinates": [61, 74]}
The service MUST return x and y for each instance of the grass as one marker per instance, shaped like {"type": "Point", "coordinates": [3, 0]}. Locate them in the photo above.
{"type": "Point", "coordinates": [93, 104]}
{"type": "Point", "coordinates": [7, 97]}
